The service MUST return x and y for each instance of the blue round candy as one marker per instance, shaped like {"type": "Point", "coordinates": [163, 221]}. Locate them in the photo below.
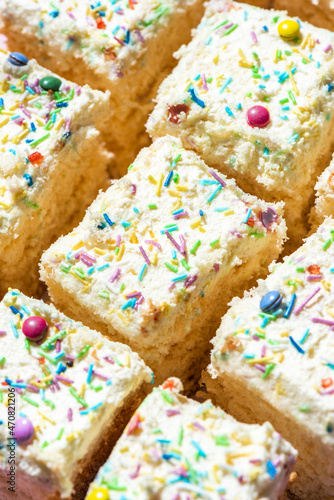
{"type": "Point", "coordinates": [18, 59]}
{"type": "Point", "coordinates": [270, 301]}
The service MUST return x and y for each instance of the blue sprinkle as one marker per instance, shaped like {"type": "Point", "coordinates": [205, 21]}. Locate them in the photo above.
{"type": "Point", "coordinates": [54, 13]}
{"type": "Point", "coordinates": [271, 469]}
{"type": "Point", "coordinates": [265, 28]}
{"type": "Point", "coordinates": [142, 271]}
{"type": "Point", "coordinates": [228, 81]}
{"type": "Point", "coordinates": [229, 111]}
{"type": "Point", "coordinates": [201, 213]}
{"type": "Point", "coordinates": [297, 346]}
{"type": "Point", "coordinates": [61, 104]}
{"type": "Point", "coordinates": [195, 98]}
{"type": "Point", "coordinates": [90, 373]}
{"type": "Point", "coordinates": [33, 127]}
{"type": "Point", "coordinates": [168, 178]}
{"type": "Point", "coordinates": [108, 220]}
{"type": "Point", "coordinates": [305, 336]}
{"type": "Point", "coordinates": [28, 179]}
{"type": "Point", "coordinates": [247, 216]}
{"type": "Point", "coordinates": [290, 306]}
{"type": "Point", "coordinates": [15, 311]}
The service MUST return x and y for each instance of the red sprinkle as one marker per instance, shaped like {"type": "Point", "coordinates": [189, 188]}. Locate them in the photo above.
{"type": "Point", "coordinates": [326, 382]}
{"type": "Point", "coordinates": [35, 157]}
{"type": "Point", "coordinates": [169, 384]}
{"type": "Point", "coordinates": [314, 269]}
{"type": "Point", "coordinates": [250, 222]}
{"type": "Point", "coordinates": [100, 24]}
{"type": "Point", "coordinates": [175, 110]}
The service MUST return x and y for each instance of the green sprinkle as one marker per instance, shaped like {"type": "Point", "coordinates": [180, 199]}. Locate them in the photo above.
{"type": "Point", "coordinates": [287, 53]}
{"type": "Point", "coordinates": [113, 485]}
{"type": "Point", "coordinates": [292, 97]}
{"type": "Point", "coordinates": [180, 438]}
{"type": "Point", "coordinates": [77, 397]}
{"type": "Point", "coordinates": [46, 356]}
{"type": "Point", "coordinates": [269, 369]}
{"type": "Point", "coordinates": [1, 397]}
{"type": "Point", "coordinates": [117, 361]}
{"type": "Point", "coordinates": [214, 242]}
{"type": "Point", "coordinates": [305, 408]}
{"type": "Point", "coordinates": [222, 440]}
{"type": "Point", "coordinates": [45, 444]}
{"type": "Point", "coordinates": [121, 288]}
{"type": "Point", "coordinates": [104, 294]}
{"type": "Point", "coordinates": [327, 244]}
{"type": "Point", "coordinates": [185, 264]}
{"type": "Point", "coordinates": [255, 55]}
{"type": "Point", "coordinates": [50, 403]}
{"type": "Point", "coordinates": [278, 54]}
{"type": "Point", "coordinates": [167, 397]}
{"type": "Point", "coordinates": [235, 26]}
{"type": "Point", "coordinates": [130, 167]}
{"type": "Point", "coordinates": [30, 401]}
{"type": "Point", "coordinates": [66, 268]}
{"type": "Point", "coordinates": [52, 340]}
{"type": "Point", "coordinates": [176, 178]}
{"type": "Point", "coordinates": [300, 270]}
{"type": "Point", "coordinates": [84, 350]}
{"type": "Point", "coordinates": [38, 141]}
{"type": "Point", "coordinates": [2, 360]}
{"type": "Point", "coordinates": [60, 433]}
{"type": "Point", "coordinates": [152, 206]}
{"type": "Point", "coordinates": [171, 267]}
{"type": "Point", "coordinates": [71, 94]}
{"type": "Point", "coordinates": [284, 101]}
{"type": "Point", "coordinates": [31, 204]}
{"type": "Point", "coordinates": [38, 105]}
{"type": "Point", "coordinates": [27, 344]}
{"type": "Point", "coordinates": [195, 247]}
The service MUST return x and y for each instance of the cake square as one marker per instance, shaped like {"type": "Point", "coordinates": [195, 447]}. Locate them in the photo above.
{"type": "Point", "coordinates": [125, 46]}
{"type": "Point", "coordinates": [252, 94]}
{"type": "Point", "coordinates": [52, 163]}
{"type": "Point", "coordinates": [324, 197]}
{"type": "Point", "coordinates": [66, 395]}
{"type": "Point", "coordinates": [175, 447]}
{"type": "Point", "coordinates": [273, 359]}
{"type": "Point", "coordinates": [159, 255]}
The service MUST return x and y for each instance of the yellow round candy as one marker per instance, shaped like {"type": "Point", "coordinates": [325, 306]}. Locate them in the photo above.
{"type": "Point", "coordinates": [288, 29]}
{"type": "Point", "coordinates": [99, 494]}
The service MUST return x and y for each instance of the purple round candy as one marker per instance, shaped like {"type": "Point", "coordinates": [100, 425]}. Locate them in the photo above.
{"type": "Point", "coordinates": [24, 430]}
{"type": "Point", "coordinates": [268, 217]}
{"type": "Point", "coordinates": [258, 116]}
{"type": "Point", "coordinates": [35, 328]}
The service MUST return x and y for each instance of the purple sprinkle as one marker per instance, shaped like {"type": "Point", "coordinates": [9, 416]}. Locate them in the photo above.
{"type": "Point", "coordinates": [118, 40]}
{"type": "Point", "coordinates": [171, 413]}
{"type": "Point", "coordinates": [70, 357]}
{"type": "Point", "coordinates": [303, 304]}
{"type": "Point", "coordinates": [3, 333]}
{"type": "Point", "coordinates": [269, 217]}
{"type": "Point", "coordinates": [87, 262]}
{"type": "Point", "coordinates": [205, 87]}
{"type": "Point", "coordinates": [32, 388]}
{"type": "Point", "coordinates": [115, 275]}
{"type": "Point", "coordinates": [155, 243]}
{"type": "Point", "coordinates": [255, 337]}
{"type": "Point", "coordinates": [69, 414]}
{"type": "Point", "coordinates": [190, 281]}
{"type": "Point", "coordinates": [227, 26]}
{"type": "Point", "coordinates": [177, 246]}
{"type": "Point", "coordinates": [58, 345]}
{"type": "Point", "coordinates": [328, 48]}
{"type": "Point", "coordinates": [64, 379]}
{"type": "Point", "coordinates": [144, 254]}
{"type": "Point", "coordinates": [263, 351]}
{"type": "Point", "coordinates": [134, 188]}
{"type": "Point", "coordinates": [55, 381]}
{"type": "Point", "coordinates": [172, 285]}
{"type": "Point", "coordinates": [132, 295]}
{"type": "Point", "coordinates": [78, 90]}
{"type": "Point", "coordinates": [181, 214]}
{"type": "Point", "coordinates": [183, 244]}
{"type": "Point", "coordinates": [89, 257]}
{"type": "Point", "coordinates": [260, 367]}
{"type": "Point", "coordinates": [255, 461]}
{"type": "Point", "coordinates": [139, 301]}
{"type": "Point", "coordinates": [97, 374]}
{"type": "Point", "coordinates": [216, 176]}
{"type": "Point", "coordinates": [325, 393]}
{"type": "Point", "coordinates": [140, 36]}
{"type": "Point", "coordinates": [109, 359]}
{"type": "Point", "coordinates": [314, 277]}
{"type": "Point", "coordinates": [216, 267]}
{"type": "Point", "coordinates": [199, 426]}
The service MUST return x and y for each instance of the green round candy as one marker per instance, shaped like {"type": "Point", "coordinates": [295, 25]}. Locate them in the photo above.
{"type": "Point", "coordinates": [50, 83]}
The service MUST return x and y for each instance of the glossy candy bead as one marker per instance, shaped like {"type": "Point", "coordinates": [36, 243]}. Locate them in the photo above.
{"type": "Point", "coordinates": [17, 59]}
{"type": "Point", "coordinates": [99, 494]}
{"type": "Point", "coordinates": [24, 430]}
{"type": "Point", "coordinates": [258, 116]}
{"type": "Point", "coordinates": [35, 328]}
{"type": "Point", "coordinates": [50, 83]}
{"type": "Point", "coordinates": [270, 301]}
{"type": "Point", "coordinates": [288, 29]}
{"type": "Point", "coordinates": [269, 217]}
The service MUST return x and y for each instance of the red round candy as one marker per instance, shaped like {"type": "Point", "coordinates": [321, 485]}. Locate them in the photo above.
{"type": "Point", "coordinates": [35, 328]}
{"type": "Point", "coordinates": [258, 116]}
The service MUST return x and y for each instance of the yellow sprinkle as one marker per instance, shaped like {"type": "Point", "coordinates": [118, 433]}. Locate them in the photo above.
{"type": "Point", "coordinates": [39, 121]}
{"type": "Point", "coordinates": [228, 212]}
{"type": "Point", "coordinates": [196, 223]}
{"type": "Point", "coordinates": [82, 390]}
{"type": "Point", "coordinates": [173, 192]}
{"type": "Point", "coordinates": [4, 205]}
{"type": "Point", "coordinates": [158, 190]}
{"type": "Point", "coordinates": [4, 139]}
{"type": "Point", "coordinates": [8, 113]}
{"type": "Point", "coordinates": [154, 259]}
{"type": "Point", "coordinates": [127, 361]}
{"type": "Point", "coordinates": [98, 345]}
{"type": "Point", "coordinates": [85, 288]}
{"type": "Point", "coordinates": [123, 318]}
{"type": "Point", "coordinates": [133, 272]}
{"type": "Point", "coordinates": [121, 252]}
{"type": "Point", "coordinates": [215, 59]}
{"type": "Point", "coordinates": [70, 437]}
{"type": "Point", "coordinates": [260, 330]}
{"type": "Point", "coordinates": [330, 312]}
{"type": "Point", "coordinates": [182, 188]}
{"type": "Point", "coordinates": [133, 237]}
{"type": "Point", "coordinates": [46, 418]}
{"type": "Point", "coordinates": [4, 122]}
{"type": "Point", "coordinates": [326, 285]}
{"type": "Point", "coordinates": [79, 244]}
{"type": "Point", "coordinates": [37, 384]}
{"type": "Point", "coordinates": [152, 179]}
{"type": "Point", "coordinates": [280, 357]}
{"type": "Point", "coordinates": [260, 360]}
{"type": "Point", "coordinates": [20, 136]}
{"type": "Point", "coordinates": [315, 387]}
{"type": "Point", "coordinates": [77, 277]}
{"type": "Point", "coordinates": [176, 206]}
{"type": "Point", "coordinates": [99, 251]}
{"type": "Point", "coordinates": [215, 469]}
{"type": "Point", "coordinates": [151, 234]}
{"type": "Point", "coordinates": [305, 41]}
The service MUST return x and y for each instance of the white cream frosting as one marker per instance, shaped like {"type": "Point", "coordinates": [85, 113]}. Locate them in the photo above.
{"type": "Point", "coordinates": [288, 361]}
{"type": "Point", "coordinates": [121, 247]}
{"type": "Point", "coordinates": [176, 448]}
{"type": "Point", "coordinates": [27, 115]}
{"type": "Point", "coordinates": [60, 440]}
{"type": "Point", "coordinates": [237, 60]}
{"type": "Point", "coordinates": [110, 36]}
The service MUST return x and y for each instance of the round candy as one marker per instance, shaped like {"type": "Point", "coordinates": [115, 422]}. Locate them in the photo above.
{"type": "Point", "coordinates": [99, 494]}
{"type": "Point", "coordinates": [270, 301]}
{"type": "Point", "coordinates": [50, 83]}
{"type": "Point", "coordinates": [258, 116]}
{"type": "Point", "coordinates": [18, 59]}
{"type": "Point", "coordinates": [289, 29]}
{"type": "Point", "coordinates": [268, 217]}
{"type": "Point", "coordinates": [35, 328]}
{"type": "Point", "coordinates": [24, 430]}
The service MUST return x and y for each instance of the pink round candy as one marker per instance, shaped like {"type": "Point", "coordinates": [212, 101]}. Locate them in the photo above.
{"type": "Point", "coordinates": [35, 328]}
{"type": "Point", "coordinates": [24, 430]}
{"type": "Point", "coordinates": [258, 116]}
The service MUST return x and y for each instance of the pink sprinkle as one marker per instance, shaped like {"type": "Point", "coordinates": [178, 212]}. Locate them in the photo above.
{"type": "Point", "coordinates": [183, 244]}
{"type": "Point", "coordinates": [144, 254]}
{"type": "Point", "coordinates": [109, 359]}
{"type": "Point", "coordinates": [328, 48]}
{"type": "Point", "coordinates": [139, 301]}
{"type": "Point", "coordinates": [58, 345]}
{"type": "Point", "coordinates": [199, 426]}
{"type": "Point", "coordinates": [323, 321]}
{"type": "Point", "coordinates": [263, 351]}
{"type": "Point", "coordinates": [181, 214]}
{"type": "Point", "coordinates": [87, 256]}
{"type": "Point", "coordinates": [134, 188]}
{"type": "Point", "coordinates": [190, 281]}
{"type": "Point", "coordinates": [133, 295]}
{"type": "Point", "coordinates": [78, 91]}
{"type": "Point", "coordinates": [24, 111]}
{"type": "Point", "coordinates": [303, 304]}
{"type": "Point", "coordinates": [70, 357]}
{"type": "Point", "coordinates": [89, 21]}
{"type": "Point", "coordinates": [118, 240]}
{"type": "Point", "coordinates": [98, 374]}
{"type": "Point", "coordinates": [155, 243]}
{"type": "Point", "coordinates": [87, 262]}
{"type": "Point", "coordinates": [325, 393]}
{"type": "Point", "coordinates": [19, 121]}
{"type": "Point", "coordinates": [69, 414]}
{"type": "Point", "coordinates": [32, 388]}
{"type": "Point", "coordinates": [216, 176]}
{"type": "Point", "coordinates": [115, 275]}
{"type": "Point", "coordinates": [69, 13]}
{"type": "Point", "coordinates": [118, 40]}
{"type": "Point", "coordinates": [255, 337]}
{"type": "Point", "coordinates": [171, 413]}
{"type": "Point", "coordinates": [140, 36]}
{"type": "Point", "coordinates": [205, 87]}
{"type": "Point", "coordinates": [55, 381]}
{"type": "Point", "coordinates": [216, 267]}
{"type": "Point", "coordinates": [3, 333]}
{"type": "Point", "coordinates": [169, 236]}
{"type": "Point", "coordinates": [227, 26]}
{"type": "Point", "coordinates": [135, 474]}
{"type": "Point", "coordinates": [254, 37]}
{"type": "Point", "coordinates": [171, 286]}
{"type": "Point", "coordinates": [260, 367]}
